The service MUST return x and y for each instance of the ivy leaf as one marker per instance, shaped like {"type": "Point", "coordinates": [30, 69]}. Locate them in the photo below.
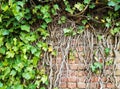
{"type": "Point", "coordinates": [2, 50]}
{"type": "Point", "coordinates": [18, 86]}
{"type": "Point", "coordinates": [1, 84]}
{"type": "Point", "coordinates": [25, 28]}
{"type": "Point", "coordinates": [86, 1]}
{"type": "Point", "coordinates": [42, 88]}
{"type": "Point", "coordinates": [4, 7]}
{"type": "Point", "coordinates": [107, 51]}
{"type": "Point", "coordinates": [44, 79]}
{"type": "Point", "coordinates": [56, 7]}
{"type": "Point", "coordinates": [33, 50]}
{"type": "Point", "coordinates": [26, 75]}
{"type": "Point", "coordinates": [1, 41]}
{"type": "Point", "coordinates": [10, 54]}
{"type": "Point", "coordinates": [5, 32]}
{"type": "Point", "coordinates": [111, 3]}
{"type": "Point", "coordinates": [13, 73]}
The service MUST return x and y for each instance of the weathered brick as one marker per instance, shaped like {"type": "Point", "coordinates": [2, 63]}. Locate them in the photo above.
{"type": "Point", "coordinates": [72, 85]}
{"type": "Point", "coordinates": [81, 85]}
{"type": "Point", "coordinates": [104, 79]}
{"type": "Point", "coordinates": [73, 73]}
{"type": "Point", "coordinates": [117, 72]}
{"type": "Point", "coordinates": [118, 66]}
{"type": "Point", "coordinates": [63, 85]}
{"type": "Point", "coordinates": [82, 79]}
{"type": "Point", "coordinates": [73, 66]}
{"type": "Point", "coordinates": [93, 85]}
{"type": "Point", "coordinates": [110, 85]}
{"type": "Point", "coordinates": [94, 79]}
{"type": "Point", "coordinates": [71, 61]}
{"type": "Point", "coordinates": [64, 79]}
{"type": "Point", "coordinates": [81, 73]}
{"type": "Point", "coordinates": [81, 66]}
{"type": "Point", "coordinates": [72, 79]}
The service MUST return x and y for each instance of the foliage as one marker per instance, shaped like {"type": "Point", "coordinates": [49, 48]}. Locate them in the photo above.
{"type": "Point", "coordinates": [19, 57]}
{"type": "Point", "coordinates": [96, 67]}
{"type": "Point", "coordinates": [21, 46]}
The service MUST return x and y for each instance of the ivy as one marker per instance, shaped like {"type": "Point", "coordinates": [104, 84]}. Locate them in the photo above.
{"type": "Point", "coordinates": [22, 43]}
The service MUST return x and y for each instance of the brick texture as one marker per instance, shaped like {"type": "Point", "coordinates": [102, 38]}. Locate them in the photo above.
{"type": "Point", "coordinates": [78, 77]}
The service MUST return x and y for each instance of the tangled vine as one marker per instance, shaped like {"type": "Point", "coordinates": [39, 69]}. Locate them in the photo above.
{"type": "Point", "coordinates": [34, 32]}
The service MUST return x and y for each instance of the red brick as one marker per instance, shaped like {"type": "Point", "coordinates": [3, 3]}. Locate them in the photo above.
{"type": "Point", "coordinates": [94, 79]}
{"type": "Point", "coordinates": [81, 73]}
{"type": "Point", "coordinates": [81, 66]}
{"type": "Point", "coordinates": [77, 61]}
{"type": "Point", "coordinates": [72, 85]}
{"type": "Point", "coordinates": [104, 79]}
{"type": "Point", "coordinates": [64, 79]}
{"type": "Point", "coordinates": [64, 73]}
{"type": "Point", "coordinates": [110, 85]}
{"type": "Point", "coordinates": [72, 79]}
{"type": "Point", "coordinates": [63, 85]}
{"type": "Point", "coordinates": [71, 61]}
{"type": "Point", "coordinates": [58, 60]}
{"type": "Point", "coordinates": [118, 79]}
{"type": "Point", "coordinates": [82, 79]}
{"type": "Point", "coordinates": [93, 85]}
{"type": "Point", "coordinates": [81, 85]}
{"type": "Point", "coordinates": [73, 73]}
{"type": "Point", "coordinates": [73, 66]}
{"type": "Point", "coordinates": [79, 48]}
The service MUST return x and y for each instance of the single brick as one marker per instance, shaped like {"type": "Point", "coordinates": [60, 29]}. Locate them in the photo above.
{"type": "Point", "coordinates": [63, 85]}
{"type": "Point", "coordinates": [81, 73]}
{"type": "Point", "coordinates": [73, 73]}
{"type": "Point", "coordinates": [110, 85]}
{"type": "Point", "coordinates": [72, 85]}
{"type": "Point", "coordinates": [93, 85]}
{"type": "Point", "coordinates": [118, 66]}
{"type": "Point", "coordinates": [81, 85]}
{"type": "Point", "coordinates": [71, 61]}
{"type": "Point", "coordinates": [64, 79]}
{"type": "Point", "coordinates": [72, 79]}
{"type": "Point", "coordinates": [117, 72]}
{"type": "Point", "coordinates": [81, 66]}
{"type": "Point", "coordinates": [104, 79]}
{"type": "Point", "coordinates": [82, 79]}
{"type": "Point", "coordinates": [94, 79]}
{"type": "Point", "coordinates": [73, 66]}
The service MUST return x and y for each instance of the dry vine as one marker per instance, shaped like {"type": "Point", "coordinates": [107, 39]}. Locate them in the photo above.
{"type": "Point", "coordinates": [90, 43]}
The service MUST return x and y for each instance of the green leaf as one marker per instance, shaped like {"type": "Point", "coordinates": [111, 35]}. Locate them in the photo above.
{"type": "Point", "coordinates": [79, 6]}
{"type": "Point", "coordinates": [107, 51]}
{"type": "Point", "coordinates": [44, 79]}
{"type": "Point", "coordinates": [1, 84]}
{"type": "Point", "coordinates": [18, 86]}
{"type": "Point", "coordinates": [1, 41]}
{"type": "Point", "coordinates": [4, 7]}
{"type": "Point", "coordinates": [10, 54]}
{"type": "Point", "coordinates": [86, 1]}
{"type": "Point", "coordinates": [42, 88]}
{"type": "Point", "coordinates": [56, 7]}
{"type": "Point", "coordinates": [13, 73]}
{"type": "Point", "coordinates": [33, 50]}
{"type": "Point", "coordinates": [25, 28]}
{"type": "Point", "coordinates": [111, 3]}
{"type": "Point", "coordinates": [99, 37]}
{"type": "Point", "coordinates": [2, 50]}
{"type": "Point", "coordinates": [27, 75]}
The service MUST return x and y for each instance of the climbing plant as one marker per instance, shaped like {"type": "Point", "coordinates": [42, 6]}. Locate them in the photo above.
{"type": "Point", "coordinates": [23, 34]}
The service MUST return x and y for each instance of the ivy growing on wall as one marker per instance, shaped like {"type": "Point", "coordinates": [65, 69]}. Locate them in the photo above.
{"type": "Point", "coordinates": [22, 43]}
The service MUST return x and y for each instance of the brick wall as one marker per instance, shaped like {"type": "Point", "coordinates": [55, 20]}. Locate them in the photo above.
{"type": "Point", "coordinates": [77, 76]}
{"type": "Point", "coordinates": [75, 73]}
